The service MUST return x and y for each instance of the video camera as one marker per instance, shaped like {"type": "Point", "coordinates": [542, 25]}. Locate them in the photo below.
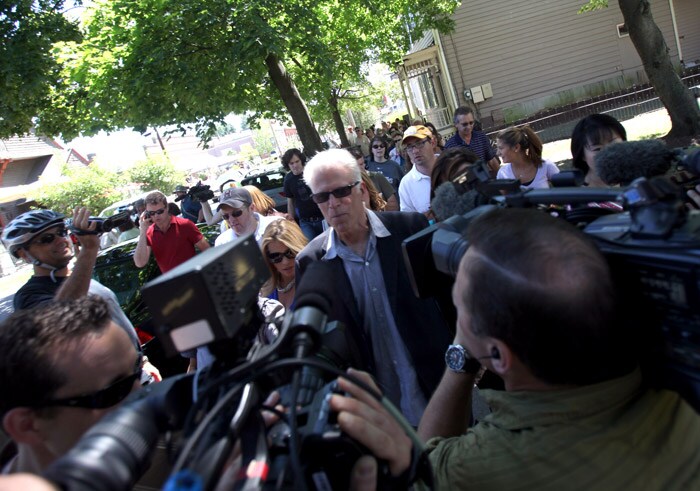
{"type": "Point", "coordinates": [198, 192]}
{"type": "Point", "coordinates": [103, 224]}
{"type": "Point", "coordinates": [651, 242]}
{"type": "Point", "coordinates": [211, 300]}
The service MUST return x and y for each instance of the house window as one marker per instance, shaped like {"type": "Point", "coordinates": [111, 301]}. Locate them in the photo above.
{"type": "Point", "coordinates": [622, 31]}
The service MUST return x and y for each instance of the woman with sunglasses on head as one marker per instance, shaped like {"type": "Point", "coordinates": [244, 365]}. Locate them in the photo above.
{"type": "Point", "coordinates": [379, 163]}
{"type": "Point", "coordinates": [521, 150]}
{"type": "Point", "coordinates": [281, 243]}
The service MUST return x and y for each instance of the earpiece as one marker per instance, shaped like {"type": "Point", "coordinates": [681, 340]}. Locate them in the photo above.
{"type": "Point", "coordinates": [495, 354]}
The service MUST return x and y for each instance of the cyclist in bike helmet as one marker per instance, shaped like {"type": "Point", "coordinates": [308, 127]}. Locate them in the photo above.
{"type": "Point", "coordinates": [40, 238]}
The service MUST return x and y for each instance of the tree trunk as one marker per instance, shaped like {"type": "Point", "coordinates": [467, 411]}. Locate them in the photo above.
{"type": "Point", "coordinates": [649, 43]}
{"type": "Point", "coordinates": [308, 134]}
{"type": "Point", "coordinates": [339, 126]}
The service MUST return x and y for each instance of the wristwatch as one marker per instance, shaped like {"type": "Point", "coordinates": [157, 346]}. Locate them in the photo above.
{"type": "Point", "coordinates": [459, 360]}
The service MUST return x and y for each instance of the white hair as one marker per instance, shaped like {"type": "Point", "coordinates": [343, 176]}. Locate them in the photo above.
{"type": "Point", "coordinates": [335, 160]}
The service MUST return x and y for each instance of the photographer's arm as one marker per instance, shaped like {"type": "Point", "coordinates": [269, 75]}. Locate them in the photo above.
{"type": "Point", "coordinates": [209, 217]}
{"type": "Point", "coordinates": [142, 253]}
{"type": "Point", "coordinates": [78, 282]}
{"type": "Point", "coordinates": [365, 420]}
{"type": "Point", "coordinates": [449, 409]}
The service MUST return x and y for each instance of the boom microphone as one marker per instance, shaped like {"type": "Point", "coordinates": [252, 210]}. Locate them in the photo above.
{"type": "Point", "coordinates": [448, 202]}
{"type": "Point", "coordinates": [621, 163]}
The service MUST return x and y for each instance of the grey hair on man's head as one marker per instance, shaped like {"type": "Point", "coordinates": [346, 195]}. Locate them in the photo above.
{"type": "Point", "coordinates": [331, 160]}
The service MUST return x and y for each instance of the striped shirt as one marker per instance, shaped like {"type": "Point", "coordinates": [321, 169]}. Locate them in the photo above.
{"type": "Point", "coordinates": [479, 144]}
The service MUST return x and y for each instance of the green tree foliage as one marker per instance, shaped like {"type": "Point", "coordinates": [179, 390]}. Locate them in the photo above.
{"type": "Point", "coordinates": [28, 69]}
{"type": "Point", "coordinates": [185, 62]}
{"type": "Point", "coordinates": [156, 173]}
{"type": "Point", "coordinates": [91, 186]}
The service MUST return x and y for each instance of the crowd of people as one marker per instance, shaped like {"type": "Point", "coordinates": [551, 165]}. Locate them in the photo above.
{"type": "Point", "coordinates": [533, 304]}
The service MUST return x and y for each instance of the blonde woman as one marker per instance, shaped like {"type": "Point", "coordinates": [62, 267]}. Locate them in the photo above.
{"type": "Point", "coordinates": [262, 203]}
{"type": "Point", "coordinates": [282, 241]}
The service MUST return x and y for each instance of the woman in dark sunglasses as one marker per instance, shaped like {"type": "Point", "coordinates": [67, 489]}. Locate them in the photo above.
{"type": "Point", "coordinates": [282, 241]}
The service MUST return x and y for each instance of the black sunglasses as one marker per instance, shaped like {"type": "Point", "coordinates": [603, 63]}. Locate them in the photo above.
{"type": "Point", "coordinates": [156, 212]}
{"type": "Point", "coordinates": [338, 193]}
{"type": "Point", "coordinates": [102, 399]}
{"type": "Point", "coordinates": [234, 214]}
{"type": "Point", "coordinates": [377, 146]}
{"type": "Point", "coordinates": [276, 257]}
{"type": "Point", "coordinates": [49, 238]}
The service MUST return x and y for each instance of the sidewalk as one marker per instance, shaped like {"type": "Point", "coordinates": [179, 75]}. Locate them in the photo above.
{"type": "Point", "coordinates": [655, 122]}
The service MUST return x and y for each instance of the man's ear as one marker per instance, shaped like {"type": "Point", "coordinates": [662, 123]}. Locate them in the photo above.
{"type": "Point", "coordinates": [500, 356]}
{"type": "Point", "coordinates": [22, 253]}
{"type": "Point", "coordinates": [20, 425]}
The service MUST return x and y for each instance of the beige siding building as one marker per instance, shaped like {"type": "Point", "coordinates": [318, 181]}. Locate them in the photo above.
{"type": "Point", "coordinates": [517, 57]}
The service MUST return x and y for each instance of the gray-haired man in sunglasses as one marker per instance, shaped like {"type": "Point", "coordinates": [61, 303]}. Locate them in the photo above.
{"type": "Point", "coordinates": [63, 366]}
{"type": "Point", "coordinates": [401, 338]}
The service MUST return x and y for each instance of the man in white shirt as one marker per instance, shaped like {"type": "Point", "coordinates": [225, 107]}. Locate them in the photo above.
{"type": "Point", "coordinates": [414, 190]}
{"type": "Point", "coordinates": [234, 205]}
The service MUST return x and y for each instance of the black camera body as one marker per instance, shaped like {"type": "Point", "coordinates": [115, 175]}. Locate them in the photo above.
{"type": "Point", "coordinates": [103, 224]}
{"type": "Point", "coordinates": [652, 248]}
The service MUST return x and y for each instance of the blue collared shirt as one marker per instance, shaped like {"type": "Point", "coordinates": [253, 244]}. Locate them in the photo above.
{"type": "Point", "coordinates": [395, 372]}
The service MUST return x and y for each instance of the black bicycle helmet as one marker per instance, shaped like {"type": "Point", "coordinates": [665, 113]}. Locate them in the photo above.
{"type": "Point", "coordinates": [26, 226]}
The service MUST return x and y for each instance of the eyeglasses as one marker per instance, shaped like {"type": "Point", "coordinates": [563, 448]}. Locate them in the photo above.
{"type": "Point", "coordinates": [47, 239]}
{"type": "Point", "coordinates": [468, 123]}
{"type": "Point", "coordinates": [234, 214]}
{"type": "Point", "coordinates": [338, 193]}
{"type": "Point", "coordinates": [102, 399]}
{"type": "Point", "coordinates": [276, 257]}
{"type": "Point", "coordinates": [155, 212]}
{"type": "Point", "coordinates": [377, 146]}
{"type": "Point", "coordinates": [417, 145]}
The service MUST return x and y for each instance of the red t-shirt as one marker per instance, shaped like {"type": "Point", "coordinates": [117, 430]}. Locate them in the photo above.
{"type": "Point", "coordinates": [176, 245]}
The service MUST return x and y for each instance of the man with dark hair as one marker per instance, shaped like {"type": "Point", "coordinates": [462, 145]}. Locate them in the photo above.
{"type": "Point", "coordinates": [191, 209]}
{"type": "Point", "coordinates": [473, 139]}
{"type": "Point", "coordinates": [536, 306]}
{"type": "Point", "coordinates": [62, 367]}
{"type": "Point", "coordinates": [173, 239]}
{"type": "Point", "coordinates": [299, 203]}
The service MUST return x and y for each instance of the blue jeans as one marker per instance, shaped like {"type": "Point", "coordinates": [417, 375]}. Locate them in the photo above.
{"type": "Point", "coordinates": [311, 228]}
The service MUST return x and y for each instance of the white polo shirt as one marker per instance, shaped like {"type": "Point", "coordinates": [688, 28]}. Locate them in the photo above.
{"type": "Point", "coordinates": [414, 191]}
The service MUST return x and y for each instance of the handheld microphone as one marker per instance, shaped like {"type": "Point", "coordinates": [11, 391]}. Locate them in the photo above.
{"type": "Point", "coordinates": [621, 163]}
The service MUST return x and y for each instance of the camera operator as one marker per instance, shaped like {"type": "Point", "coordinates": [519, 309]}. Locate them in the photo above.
{"type": "Point", "coordinates": [40, 238]}
{"type": "Point", "coordinates": [62, 367]}
{"type": "Point", "coordinates": [540, 313]}
{"type": "Point", "coordinates": [191, 209]}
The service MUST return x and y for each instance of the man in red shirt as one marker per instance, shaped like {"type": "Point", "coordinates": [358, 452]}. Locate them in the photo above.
{"type": "Point", "coordinates": [173, 239]}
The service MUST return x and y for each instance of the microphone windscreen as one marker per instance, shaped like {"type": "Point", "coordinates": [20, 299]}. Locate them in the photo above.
{"type": "Point", "coordinates": [449, 202]}
{"type": "Point", "coordinates": [313, 290]}
{"type": "Point", "coordinates": [621, 163]}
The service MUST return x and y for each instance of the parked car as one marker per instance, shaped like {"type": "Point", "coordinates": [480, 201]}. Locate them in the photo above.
{"type": "Point", "coordinates": [115, 269]}
{"type": "Point", "coordinates": [271, 183]}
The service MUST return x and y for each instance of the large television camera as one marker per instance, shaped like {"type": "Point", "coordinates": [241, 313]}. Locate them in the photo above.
{"type": "Point", "coordinates": [212, 301]}
{"type": "Point", "coordinates": [649, 237]}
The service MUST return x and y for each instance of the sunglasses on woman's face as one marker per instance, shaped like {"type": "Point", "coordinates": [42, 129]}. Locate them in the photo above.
{"type": "Point", "coordinates": [338, 193]}
{"type": "Point", "coordinates": [234, 214]}
{"type": "Point", "coordinates": [47, 239]}
{"type": "Point", "coordinates": [377, 146]}
{"type": "Point", "coordinates": [149, 214]}
{"type": "Point", "coordinates": [101, 399]}
{"type": "Point", "coordinates": [276, 257]}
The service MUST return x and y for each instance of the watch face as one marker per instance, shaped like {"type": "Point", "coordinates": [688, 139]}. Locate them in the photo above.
{"type": "Point", "coordinates": [455, 357]}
